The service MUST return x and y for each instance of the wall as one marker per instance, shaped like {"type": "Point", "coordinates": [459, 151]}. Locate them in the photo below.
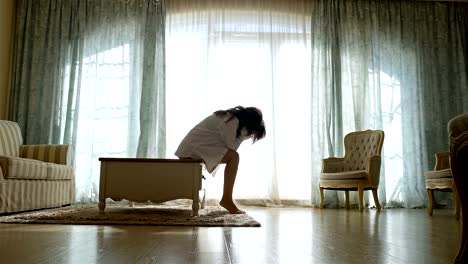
{"type": "Point", "coordinates": [7, 11]}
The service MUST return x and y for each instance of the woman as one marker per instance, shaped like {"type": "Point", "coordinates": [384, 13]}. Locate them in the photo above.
{"type": "Point", "coordinates": [216, 139]}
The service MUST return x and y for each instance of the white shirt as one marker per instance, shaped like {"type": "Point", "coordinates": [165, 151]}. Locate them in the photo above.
{"type": "Point", "coordinates": [210, 140]}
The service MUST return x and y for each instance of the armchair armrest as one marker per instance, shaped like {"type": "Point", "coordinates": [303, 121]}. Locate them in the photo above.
{"type": "Point", "coordinates": [59, 154]}
{"type": "Point", "coordinates": [331, 165]}
{"type": "Point", "coordinates": [373, 169]}
{"type": "Point", "coordinates": [442, 160]}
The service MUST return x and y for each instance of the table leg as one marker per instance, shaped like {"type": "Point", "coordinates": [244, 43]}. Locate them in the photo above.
{"type": "Point", "coordinates": [195, 207]}
{"type": "Point", "coordinates": [102, 205]}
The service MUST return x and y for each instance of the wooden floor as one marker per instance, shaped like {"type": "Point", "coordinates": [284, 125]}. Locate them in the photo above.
{"type": "Point", "coordinates": [287, 235]}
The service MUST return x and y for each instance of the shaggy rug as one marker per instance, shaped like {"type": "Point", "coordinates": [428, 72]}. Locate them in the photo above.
{"type": "Point", "coordinates": [174, 215]}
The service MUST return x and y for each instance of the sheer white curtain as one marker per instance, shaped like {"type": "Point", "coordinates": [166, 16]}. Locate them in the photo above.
{"type": "Point", "coordinates": [221, 54]}
{"type": "Point", "coordinates": [120, 80]}
{"type": "Point", "coordinates": [317, 69]}
{"type": "Point", "coordinates": [93, 73]}
{"type": "Point", "coordinates": [396, 66]}
{"type": "Point", "coordinates": [226, 53]}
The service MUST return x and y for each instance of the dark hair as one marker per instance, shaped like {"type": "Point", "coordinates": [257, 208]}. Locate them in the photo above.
{"type": "Point", "coordinates": [250, 118]}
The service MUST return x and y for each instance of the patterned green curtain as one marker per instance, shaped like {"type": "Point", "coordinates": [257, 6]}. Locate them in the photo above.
{"type": "Point", "coordinates": [48, 38]}
{"type": "Point", "coordinates": [53, 37]}
{"type": "Point", "coordinates": [435, 77]}
{"type": "Point", "coordinates": [91, 73]}
{"type": "Point", "coordinates": [400, 66]}
{"type": "Point", "coordinates": [152, 139]}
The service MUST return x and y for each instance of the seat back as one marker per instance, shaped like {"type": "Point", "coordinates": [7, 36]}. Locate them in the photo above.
{"type": "Point", "coordinates": [361, 145]}
{"type": "Point", "coordinates": [442, 160]}
{"type": "Point", "coordinates": [10, 138]}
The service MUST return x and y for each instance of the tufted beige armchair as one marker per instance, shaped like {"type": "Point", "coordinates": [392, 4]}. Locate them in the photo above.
{"type": "Point", "coordinates": [358, 170]}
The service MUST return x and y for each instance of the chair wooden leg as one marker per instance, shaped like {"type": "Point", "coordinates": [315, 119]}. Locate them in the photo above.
{"type": "Point", "coordinates": [456, 201]}
{"type": "Point", "coordinates": [431, 201]}
{"type": "Point", "coordinates": [361, 198]}
{"type": "Point", "coordinates": [376, 199]}
{"type": "Point", "coordinates": [347, 199]}
{"type": "Point", "coordinates": [321, 197]}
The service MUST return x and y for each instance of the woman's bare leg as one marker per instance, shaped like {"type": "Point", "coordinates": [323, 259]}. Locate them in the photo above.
{"type": "Point", "coordinates": [231, 158]}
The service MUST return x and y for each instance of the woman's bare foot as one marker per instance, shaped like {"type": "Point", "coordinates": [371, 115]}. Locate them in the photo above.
{"type": "Point", "coordinates": [231, 207]}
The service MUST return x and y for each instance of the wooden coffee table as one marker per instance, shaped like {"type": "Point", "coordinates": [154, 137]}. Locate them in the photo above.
{"type": "Point", "coordinates": [155, 180]}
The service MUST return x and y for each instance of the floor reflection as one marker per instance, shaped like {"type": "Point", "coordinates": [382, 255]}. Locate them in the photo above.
{"type": "Point", "coordinates": [287, 235]}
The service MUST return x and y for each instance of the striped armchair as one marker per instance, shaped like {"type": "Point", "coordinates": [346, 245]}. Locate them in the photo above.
{"type": "Point", "coordinates": [33, 176]}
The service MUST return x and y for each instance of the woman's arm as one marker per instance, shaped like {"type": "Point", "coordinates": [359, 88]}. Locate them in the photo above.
{"type": "Point", "coordinates": [228, 131]}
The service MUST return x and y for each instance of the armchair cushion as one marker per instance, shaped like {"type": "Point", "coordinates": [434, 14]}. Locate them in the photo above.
{"type": "Point", "coordinates": [360, 174]}
{"type": "Point", "coordinates": [59, 172]}
{"type": "Point", "coordinates": [29, 169]}
{"type": "Point", "coordinates": [437, 174]}
{"type": "Point", "coordinates": [18, 168]}
{"type": "Point", "coordinates": [439, 183]}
